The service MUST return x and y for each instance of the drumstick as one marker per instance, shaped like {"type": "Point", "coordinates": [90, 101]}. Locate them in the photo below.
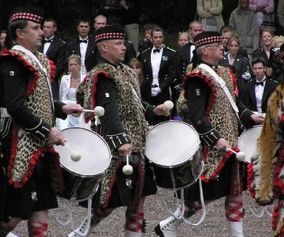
{"type": "Point", "coordinates": [98, 111]}
{"type": "Point", "coordinates": [127, 169]}
{"type": "Point", "coordinates": [75, 155]}
{"type": "Point", "coordinates": [169, 104]}
{"type": "Point", "coordinates": [239, 155]}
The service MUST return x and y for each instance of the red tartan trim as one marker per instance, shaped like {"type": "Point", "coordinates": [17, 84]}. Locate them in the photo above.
{"type": "Point", "coordinates": [211, 84]}
{"type": "Point", "coordinates": [219, 166]}
{"type": "Point", "coordinates": [233, 77]}
{"type": "Point", "coordinates": [250, 180]}
{"type": "Point", "coordinates": [32, 84]}
{"type": "Point", "coordinates": [278, 183]}
{"type": "Point", "coordinates": [32, 161]}
{"type": "Point", "coordinates": [52, 70]}
{"type": "Point", "coordinates": [276, 215]}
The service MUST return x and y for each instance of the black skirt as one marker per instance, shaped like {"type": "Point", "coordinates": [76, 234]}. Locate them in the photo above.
{"type": "Point", "coordinates": [221, 187]}
{"type": "Point", "coordinates": [36, 195]}
{"type": "Point", "coordinates": [122, 193]}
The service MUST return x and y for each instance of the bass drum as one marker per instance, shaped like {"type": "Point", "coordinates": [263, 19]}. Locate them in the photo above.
{"type": "Point", "coordinates": [81, 178]}
{"type": "Point", "coordinates": [173, 148]}
{"type": "Point", "coordinates": [247, 142]}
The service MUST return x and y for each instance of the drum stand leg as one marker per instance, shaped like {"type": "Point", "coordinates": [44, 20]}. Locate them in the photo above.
{"type": "Point", "coordinates": [84, 229]}
{"type": "Point", "coordinates": [202, 205]}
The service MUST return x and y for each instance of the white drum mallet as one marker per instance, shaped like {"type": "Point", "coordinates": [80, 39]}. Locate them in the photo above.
{"type": "Point", "coordinates": [75, 155]}
{"type": "Point", "coordinates": [127, 169]}
{"type": "Point", "coordinates": [241, 156]}
{"type": "Point", "coordinates": [169, 104]}
{"type": "Point", "coordinates": [98, 111]}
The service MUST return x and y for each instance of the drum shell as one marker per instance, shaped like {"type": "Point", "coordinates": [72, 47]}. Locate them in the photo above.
{"type": "Point", "coordinates": [77, 188]}
{"type": "Point", "coordinates": [81, 178]}
{"type": "Point", "coordinates": [179, 177]}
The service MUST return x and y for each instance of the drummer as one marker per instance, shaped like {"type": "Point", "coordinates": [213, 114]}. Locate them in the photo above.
{"type": "Point", "coordinates": [28, 162]}
{"type": "Point", "coordinates": [216, 120]}
{"type": "Point", "coordinates": [115, 87]}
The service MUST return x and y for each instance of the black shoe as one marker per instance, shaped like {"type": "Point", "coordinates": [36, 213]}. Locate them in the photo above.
{"type": "Point", "coordinates": [158, 231]}
{"type": "Point", "coordinates": [144, 225]}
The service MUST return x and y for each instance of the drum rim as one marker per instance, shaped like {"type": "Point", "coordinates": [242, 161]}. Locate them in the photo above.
{"type": "Point", "coordinates": [188, 185]}
{"type": "Point", "coordinates": [242, 135]}
{"type": "Point", "coordinates": [175, 121]}
{"type": "Point", "coordinates": [108, 149]}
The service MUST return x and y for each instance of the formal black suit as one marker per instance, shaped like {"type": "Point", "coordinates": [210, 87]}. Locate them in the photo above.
{"type": "Point", "coordinates": [239, 67]}
{"type": "Point", "coordinates": [91, 57]}
{"type": "Point", "coordinates": [248, 96]}
{"type": "Point", "coordinates": [166, 77]}
{"type": "Point", "coordinates": [56, 53]}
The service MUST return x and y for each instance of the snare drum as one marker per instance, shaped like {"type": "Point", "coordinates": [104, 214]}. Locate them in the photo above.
{"type": "Point", "coordinates": [173, 149]}
{"type": "Point", "coordinates": [81, 178]}
{"type": "Point", "coordinates": [247, 141]}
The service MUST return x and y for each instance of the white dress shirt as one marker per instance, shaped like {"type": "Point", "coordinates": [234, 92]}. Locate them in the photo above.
{"type": "Point", "coordinates": [83, 50]}
{"type": "Point", "coordinates": [258, 89]}
{"type": "Point", "coordinates": [47, 44]}
{"type": "Point", "coordinates": [155, 63]}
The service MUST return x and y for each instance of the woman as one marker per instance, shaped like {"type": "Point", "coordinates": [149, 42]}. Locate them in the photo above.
{"type": "Point", "coordinates": [3, 39]}
{"type": "Point", "coordinates": [210, 14]}
{"type": "Point", "coordinates": [183, 39]}
{"type": "Point", "coordinates": [67, 91]}
{"type": "Point", "coordinates": [239, 64]}
{"type": "Point", "coordinates": [135, 64]}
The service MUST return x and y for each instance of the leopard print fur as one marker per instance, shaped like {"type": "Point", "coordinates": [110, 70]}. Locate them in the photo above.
{"type": "Point", "coordinates": [131, 114]}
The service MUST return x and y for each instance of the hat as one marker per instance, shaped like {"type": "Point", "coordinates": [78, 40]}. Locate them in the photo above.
{"type": "Point", "coordinates": [207, 37]}
{"type": "Point", "coordinates": [109, 33]}
{"type": "Point", "coordinates": [30, 14]}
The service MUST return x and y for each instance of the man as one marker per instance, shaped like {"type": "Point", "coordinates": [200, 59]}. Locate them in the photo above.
{"type": "Point", "coordinates": [156, 65]}
{"type": "Point", "coordinates": [258, 90]}
{"type": "Point", "coordinates": [183, 58]}
{"type": "Point", "coordinates": [115, 86]}
{"type": "Point", "coordinates": [242, 19]}
{"type": "Point", "coordinates": [215, 118]}
{"type": "Point", "coordinates": [29, 163]}
{"type": "Point", "coordinates": [55, 49]}
{"type": "Point", "coordinates": [99, 22]}
{"type": "Point", "coordinates": [84, 47]}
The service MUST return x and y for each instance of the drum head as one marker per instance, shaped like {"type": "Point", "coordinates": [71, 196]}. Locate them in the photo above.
{"type": "Point", "coordinates": [94, 151]}
{"type": "Point", "coordinates": [171, 143]}
{"type": "Point", "coordinates": [247, 142]}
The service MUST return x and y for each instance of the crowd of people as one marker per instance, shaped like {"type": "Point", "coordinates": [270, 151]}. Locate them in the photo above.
{"type": "Point", "coordinates": [222, 80]}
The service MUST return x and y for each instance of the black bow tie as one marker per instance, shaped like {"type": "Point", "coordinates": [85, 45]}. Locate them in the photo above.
{"type": "Point", "coordinates": [259, 83]}
{"type": "Point", "coordinates": [83, 41]}
{"type": "Point", "coordinates": [47, 41]}
{"type": "Point", "coordinates": [156, 50]}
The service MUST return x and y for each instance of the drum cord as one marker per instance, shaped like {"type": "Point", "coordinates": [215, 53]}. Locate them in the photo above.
{"type": "Point", "coordinates": [58, 215]}
{"type": "Point", "coordinates": [202, 205]}
{"type": "Point", "coordinates": [263, 210]}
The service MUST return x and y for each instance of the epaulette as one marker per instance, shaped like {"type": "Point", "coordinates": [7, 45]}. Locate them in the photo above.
{"type": "Point", "coordinates": [170, 49]}
{"type": "Point", "coordinates": [146, 50]}
{"type": "Point", "coordinates": [62, 41]}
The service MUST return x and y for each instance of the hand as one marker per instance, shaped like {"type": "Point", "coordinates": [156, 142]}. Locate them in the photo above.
{"type": "Point", "coordinates": [55, 137]}
{"type": "Point", "coordinates": [74, 109]}
{"type": "Point", "coordinates": [222, 144]}
{"type": "Point", "coordinates": [162, 110]}
{"type": "Point", "coordinates": [257, 118]}
{"type": "Point", "coordinates": [125, 149]}
{"type": "Point", "coordinates": [155, 91]}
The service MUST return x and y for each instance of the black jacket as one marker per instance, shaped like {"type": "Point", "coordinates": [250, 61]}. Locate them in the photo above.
{"type": "Point", "coordinates": [166, 75]}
